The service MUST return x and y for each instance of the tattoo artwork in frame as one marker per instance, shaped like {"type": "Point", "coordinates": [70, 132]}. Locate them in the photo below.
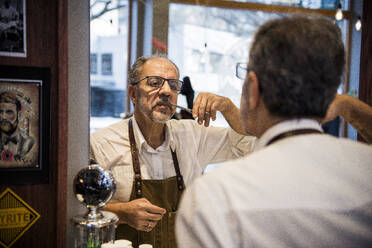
{"type": "Point", "coordinates": [24, 124]}
{"type": "Point", "coordinates": [19, 118]}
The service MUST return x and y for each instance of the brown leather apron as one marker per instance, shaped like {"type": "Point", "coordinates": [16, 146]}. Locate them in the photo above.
{"type": "Point", "coordinates": [165, 193]}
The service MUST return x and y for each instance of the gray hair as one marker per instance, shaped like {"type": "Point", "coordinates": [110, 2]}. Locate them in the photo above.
{"type": "Point", "coordinates": [137, 66]}
{"type": "Point", "coordinates": [299, 62]}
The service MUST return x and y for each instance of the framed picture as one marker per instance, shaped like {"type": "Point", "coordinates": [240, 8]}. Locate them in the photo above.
{"type": "Point", "coordinates": [13, 28]}
{"type": "Point", "coordinates": [24, 125]}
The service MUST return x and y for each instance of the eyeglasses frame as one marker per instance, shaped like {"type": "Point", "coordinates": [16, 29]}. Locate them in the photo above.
{"type": "Point", "coordinates": [164, 79]}
{"type": "Point", "coordinates": [246, 68]}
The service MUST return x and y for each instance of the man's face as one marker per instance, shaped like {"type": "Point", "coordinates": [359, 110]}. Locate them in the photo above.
{"type": "Point", "coordinates": [153, 102]}
{"type": "Point", "coordinates": [8, 117]}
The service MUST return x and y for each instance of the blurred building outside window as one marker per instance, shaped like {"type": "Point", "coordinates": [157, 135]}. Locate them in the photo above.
{"type": "Point", "coordinates": [108, 71]}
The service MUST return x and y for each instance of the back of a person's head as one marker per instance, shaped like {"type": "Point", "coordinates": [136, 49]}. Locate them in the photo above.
{"type": "Point", "coordinates": [299, 62]}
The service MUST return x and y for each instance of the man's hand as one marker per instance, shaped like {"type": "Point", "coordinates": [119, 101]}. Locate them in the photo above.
{"type": "Point", "coordinates": [355, 112]}
{"type": "Point", "coordinates": [139, 214]}
{"type": "Point", "coordinates": [335, 108]}
{"type": "Point", "coordinates": [207, 104]}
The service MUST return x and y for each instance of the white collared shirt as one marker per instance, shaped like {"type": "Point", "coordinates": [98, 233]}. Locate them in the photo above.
{"type": "Point", "coordinates": [310, 190]}
{"type": "Point", "coordinates": [196, 147]}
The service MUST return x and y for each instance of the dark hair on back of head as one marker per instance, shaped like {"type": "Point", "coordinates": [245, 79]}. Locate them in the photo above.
{"type": "Point", "coordinates": [299, 62]}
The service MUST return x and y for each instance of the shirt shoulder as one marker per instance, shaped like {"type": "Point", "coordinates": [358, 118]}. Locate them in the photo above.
{"type": "Point", "coordinates": [312, 161]}
{"type": "Point", "coordinates": [109, 143]}
{"type": "Point", "coordinates": [114, 131]}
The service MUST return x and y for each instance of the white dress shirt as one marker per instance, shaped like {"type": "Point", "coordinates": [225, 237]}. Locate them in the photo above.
{"type": "Point", "coordinates": [196, 147]}
{"type": "Point", "coordinates": [310, 190]}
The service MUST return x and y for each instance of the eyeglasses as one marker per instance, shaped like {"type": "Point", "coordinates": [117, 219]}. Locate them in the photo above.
{"type": "Point", "coordinates": [241, 70]}
{"type": "Point", "coordinates": [157, 82]}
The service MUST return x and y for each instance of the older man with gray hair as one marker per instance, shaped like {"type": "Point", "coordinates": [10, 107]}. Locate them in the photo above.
{"type": "Point", "coordinates": [153, 158]}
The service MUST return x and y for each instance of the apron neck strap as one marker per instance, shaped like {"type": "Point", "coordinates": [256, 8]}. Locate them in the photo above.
{"type": "Point", "coordinates": [178, 172]}
{"type": "Point", "coordinates": [137, 168]}
{"type": "Point", "coordinates": [135, 161]}
{"type": "Point", "coordinates": [292, 133]}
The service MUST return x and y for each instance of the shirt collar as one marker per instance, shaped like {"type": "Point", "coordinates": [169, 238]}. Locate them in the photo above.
{"type": "Point", "coordinates": [142, 144]}
{"type": "Point", "coordinates": [286, 126]}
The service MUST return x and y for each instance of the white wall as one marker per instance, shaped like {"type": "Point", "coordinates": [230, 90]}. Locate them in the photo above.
{"type": "Point", "coordinates": [78, 102]}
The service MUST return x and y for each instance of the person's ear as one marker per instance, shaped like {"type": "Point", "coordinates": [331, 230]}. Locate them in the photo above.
{"type": "Point", "coordinates": [132, 93]}
{"type": "Point", "coordinates": [254, 92]}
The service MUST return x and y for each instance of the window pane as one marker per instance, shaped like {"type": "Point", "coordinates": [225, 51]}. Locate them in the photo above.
{"type": "Point", "coordinates": [108, 76]}
{"type": "Point", "coordinates": [106, 64]}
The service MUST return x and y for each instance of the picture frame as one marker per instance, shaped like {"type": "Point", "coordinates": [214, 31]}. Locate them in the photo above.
{"type": "Point", "coordinates": [13, 39]}
{"type": "Point", "coordinates": [24, 125]}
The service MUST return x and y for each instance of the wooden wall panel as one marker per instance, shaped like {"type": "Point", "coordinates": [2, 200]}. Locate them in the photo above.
{"type": "Point", "coordinates": [365, 83]}
{"type": "Point", "coordinates": [365, 78]}
{"type": "Point", "coordinates": [46, 34]}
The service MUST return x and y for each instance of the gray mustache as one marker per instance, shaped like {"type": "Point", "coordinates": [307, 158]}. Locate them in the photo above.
{"type": "Point", "coordinates": [163, 103]}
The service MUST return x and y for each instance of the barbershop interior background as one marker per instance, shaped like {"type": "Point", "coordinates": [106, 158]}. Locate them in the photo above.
{"type": "Point", "coordinates": [88, 47]}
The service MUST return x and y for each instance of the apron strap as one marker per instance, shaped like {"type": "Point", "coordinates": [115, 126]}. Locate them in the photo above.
{"type": "Point", "coordinates": [292, 133]}
{"type": "Point", "coordinates": [177, 169]}
{"type": "Point", "coordinates": [135, 161]}
{"type": "Point", "coordinates": [137, 168]}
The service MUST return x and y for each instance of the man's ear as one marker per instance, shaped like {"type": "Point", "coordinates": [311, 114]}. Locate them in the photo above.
{"type": "Point", "coordinates": [132, 93]}
{"type": "Point", "coordinates": [254, 92]}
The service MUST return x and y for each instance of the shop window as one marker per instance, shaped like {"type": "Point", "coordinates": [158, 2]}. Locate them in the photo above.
{"type": "Point", "coordinates": [108, 76]}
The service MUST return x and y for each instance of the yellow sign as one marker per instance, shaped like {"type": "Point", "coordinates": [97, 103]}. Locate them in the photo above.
{"type": "Point", "coordinates": [16, 217]}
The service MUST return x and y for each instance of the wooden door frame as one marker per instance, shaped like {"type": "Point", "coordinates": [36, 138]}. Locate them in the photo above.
{"type": "Point", "coordinates": [62, 126]}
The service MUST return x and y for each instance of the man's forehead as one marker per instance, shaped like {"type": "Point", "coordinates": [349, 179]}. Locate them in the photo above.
{"type": "Point", "coordinates": [158, 66]}
{"type": "Point", "coordinates": [7, 105]}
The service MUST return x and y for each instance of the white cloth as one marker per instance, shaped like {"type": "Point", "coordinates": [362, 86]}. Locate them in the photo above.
{"type": "Point", "coordinates": [312, 190]}
{"type": "Point", "coordinates": [196, 147]}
